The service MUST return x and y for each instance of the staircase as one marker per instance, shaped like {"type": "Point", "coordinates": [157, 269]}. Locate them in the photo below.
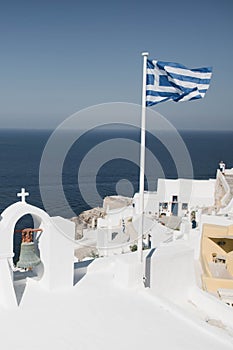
{"type": "Point", "coordinates": [229, 179]}
{"type": "Point", "coordinates": [224, 191]}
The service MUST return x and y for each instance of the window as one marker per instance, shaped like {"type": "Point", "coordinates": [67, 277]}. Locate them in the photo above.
{"type": "Point", "coordinates": [184, 206]}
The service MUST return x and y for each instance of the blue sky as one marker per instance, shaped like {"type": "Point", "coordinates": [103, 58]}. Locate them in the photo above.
{"type": "Point", "coordinates": [58, 57]}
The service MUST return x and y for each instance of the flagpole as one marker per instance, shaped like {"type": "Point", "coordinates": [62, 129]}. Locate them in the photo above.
{"type": "Point", "coordinates": [142, 156]}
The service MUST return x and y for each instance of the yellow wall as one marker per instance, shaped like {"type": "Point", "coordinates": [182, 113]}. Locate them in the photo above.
{"type": "Point", "coordinates": [230, 262]}
{"type": "Point", "coordinates": [211, 235]}
{"type": "Point", "coordinates": [213, 284]}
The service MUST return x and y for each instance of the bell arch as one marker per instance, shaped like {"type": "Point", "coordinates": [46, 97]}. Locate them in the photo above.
{"type": "Point", "coordinates": [56, 249]}
{"type": "Point", "coordinates": [10, 216]}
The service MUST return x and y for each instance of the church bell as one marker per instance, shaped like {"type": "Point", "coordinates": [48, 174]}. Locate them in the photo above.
{"type": "Point", "coordinates": [28, 257]}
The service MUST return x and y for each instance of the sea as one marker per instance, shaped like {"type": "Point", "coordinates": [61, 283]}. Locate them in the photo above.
{"type": "Point", "coordinates": [21, 153]}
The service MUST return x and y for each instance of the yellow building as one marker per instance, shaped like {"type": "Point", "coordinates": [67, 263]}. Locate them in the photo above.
{"type": "Point", "coordinates": [217, 259]}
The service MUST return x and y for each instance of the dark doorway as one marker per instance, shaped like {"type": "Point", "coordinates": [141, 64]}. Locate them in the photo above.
{"type": "Point", "coordinates": [174, 208]}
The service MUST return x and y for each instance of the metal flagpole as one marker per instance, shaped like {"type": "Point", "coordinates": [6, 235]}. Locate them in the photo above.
{"type": "Point", "coordinates": [142, 156]}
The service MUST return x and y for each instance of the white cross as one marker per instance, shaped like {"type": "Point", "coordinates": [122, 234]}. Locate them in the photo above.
{"type": "Point", "coordinates": [23, 195]}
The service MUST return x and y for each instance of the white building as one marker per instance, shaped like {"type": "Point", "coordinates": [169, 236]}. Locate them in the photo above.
{"type": "Point", "coordinates": [177, 197]}
{"type": "Point", "coordinates": [151, 200]}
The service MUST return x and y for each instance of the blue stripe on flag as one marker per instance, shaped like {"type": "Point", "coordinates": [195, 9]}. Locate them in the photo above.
{"type": "Point", "coordinates": [203, 91]}
{"type": "Point", "coordinates": [150, 78]}
{"type": "Point", "coordinates": [162, 65]}
{"type": "Point", "coordinates": [162, 94]}
{"type": "Point", "coordinates": [189, 79]}
{"type": "Point", "coordinates": [150, 64]}
{"type": "Point", "coordinates": [163, 81]}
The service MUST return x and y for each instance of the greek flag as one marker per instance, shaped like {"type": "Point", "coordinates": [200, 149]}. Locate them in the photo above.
{"type": "Point", "coordinates": [173, 81]}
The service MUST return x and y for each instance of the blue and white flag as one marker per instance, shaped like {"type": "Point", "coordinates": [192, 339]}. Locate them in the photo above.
{"type": "Point", "coordinates": [173, 81]}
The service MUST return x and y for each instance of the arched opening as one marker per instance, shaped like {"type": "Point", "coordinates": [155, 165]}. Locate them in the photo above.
{"type": "Point", "coordinates": [23, 222]}
{"type": "Point", "coordinates": [21, 273]}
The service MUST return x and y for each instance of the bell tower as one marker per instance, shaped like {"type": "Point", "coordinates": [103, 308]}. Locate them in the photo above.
{"type": "Point", "coordinates": [55, 245]}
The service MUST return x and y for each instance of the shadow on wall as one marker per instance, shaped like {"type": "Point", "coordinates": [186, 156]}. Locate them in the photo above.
{"type": "Point", "coordinates": [20, 280]}
{"type": "Point", "coordinates": [80, 270]}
